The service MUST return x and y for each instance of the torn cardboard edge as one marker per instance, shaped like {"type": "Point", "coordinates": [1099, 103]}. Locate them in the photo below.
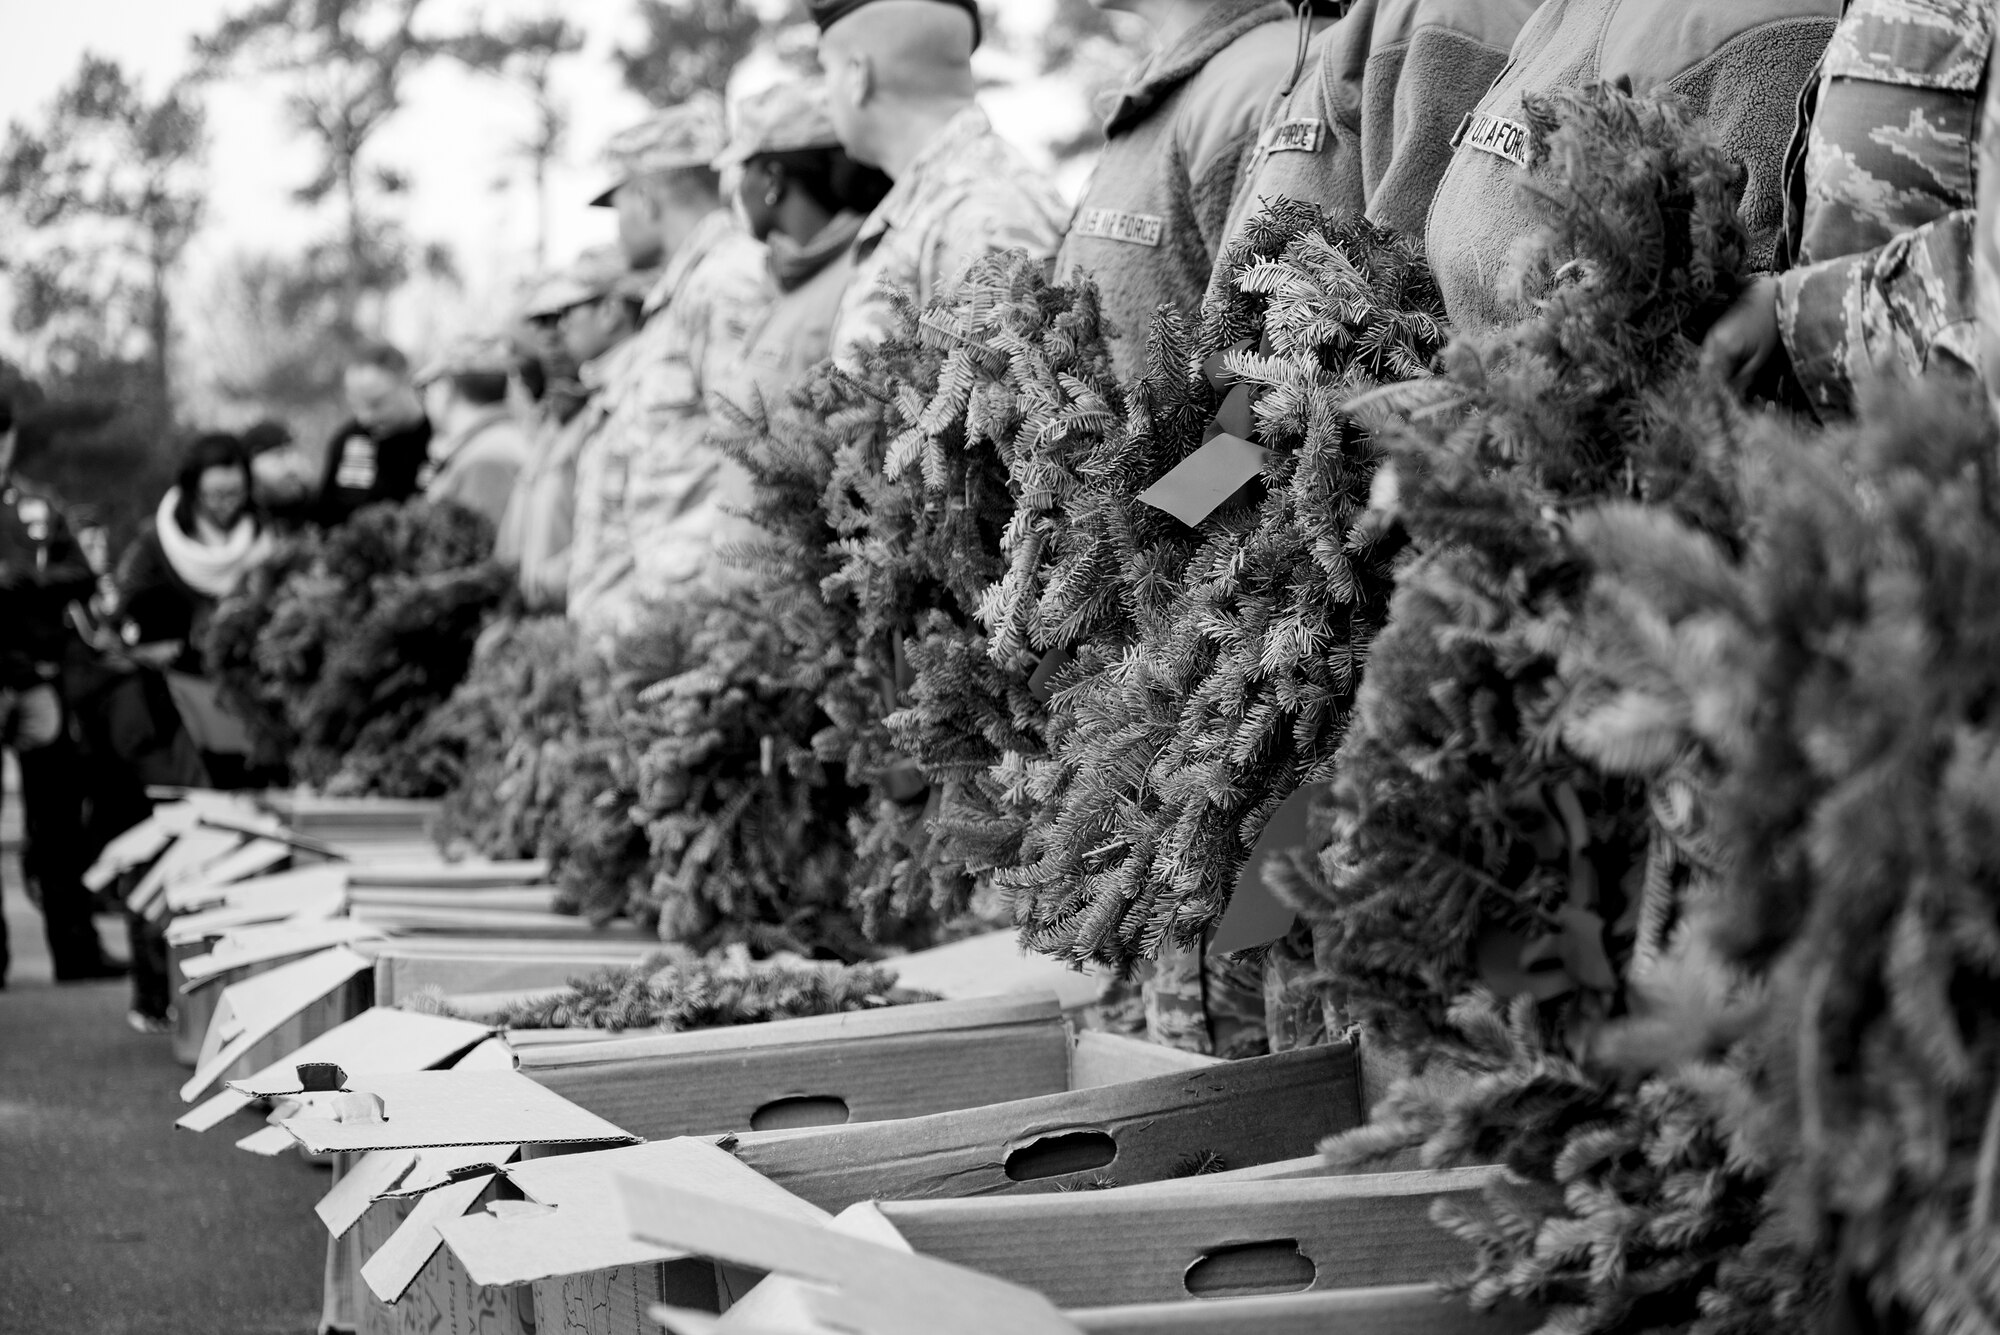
{"type": "Point", "coordinates": [379, 1040]}
{"type": "Point", "coordinates": [571, 1223]}
{"type": "Point", "coordinates": [250, 1011]}
{"type": "Point", "coordinates": [425, 1109]}
{"type": "Point", "coordinates": [396, 1265]}
{"type": "Point", "coordinates": [873, 1288]}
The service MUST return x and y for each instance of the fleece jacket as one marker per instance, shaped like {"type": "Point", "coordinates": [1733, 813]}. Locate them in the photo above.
{"type": "Point", "coordinates": [1736, 65]}
{"type": "Point", "coordinates": [1368, 128]}
{"type": "Point", "coordinates": [1151, 221]}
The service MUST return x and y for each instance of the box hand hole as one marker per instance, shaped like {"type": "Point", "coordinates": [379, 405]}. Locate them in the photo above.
{"type": "Point", "coordinates": [801, 1110]}
{"type": "Point", "coordinates": [1251, 1268]}
{"type": "Point", "coordinates": [1054, 1156]}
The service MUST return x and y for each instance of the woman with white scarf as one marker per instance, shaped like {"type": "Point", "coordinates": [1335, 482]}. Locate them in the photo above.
{"type": "Point", "coordinates": [204, 539]}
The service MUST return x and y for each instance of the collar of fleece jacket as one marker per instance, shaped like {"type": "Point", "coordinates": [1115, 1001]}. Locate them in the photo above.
{"type": "Point", "coordinates": [1222, 24]}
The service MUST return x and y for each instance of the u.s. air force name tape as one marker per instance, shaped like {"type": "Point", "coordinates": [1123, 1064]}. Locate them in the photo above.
{"type": "Point", "coordinates": [1139, 229]}
{"type": "Point", "coordinates": [1205, 479]}
{"type": "Point", "coordinates": [1494, 134]}
{"type": "Point", "coordinates": [1305, 135]}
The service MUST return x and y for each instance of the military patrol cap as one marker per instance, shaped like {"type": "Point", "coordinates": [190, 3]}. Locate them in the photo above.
{"type": "Point", "coordinates": [689, 135]}
{"type": "Point", "coordinates": [784, 118]}
{"type": "Point", "coordinates": [469, 354]}
{"type": "Point", "coordinates": [597, 272]}
{"type": "Point", "coordinates": [826, 13]}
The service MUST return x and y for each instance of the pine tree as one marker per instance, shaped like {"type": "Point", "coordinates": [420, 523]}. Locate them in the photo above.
{"type": "Point", "coordinates": [1216, 663]}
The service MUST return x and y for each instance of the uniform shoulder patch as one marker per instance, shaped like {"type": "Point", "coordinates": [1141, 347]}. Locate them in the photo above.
{"type": "Point", "coordinates": [1496, 135]}
{"type": "Point", "coordinates": [1307, 134]}
{"type": "Point", "coordinates": [1139, 229]}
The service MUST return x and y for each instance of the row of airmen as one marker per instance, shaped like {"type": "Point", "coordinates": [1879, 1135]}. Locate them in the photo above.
{"type": "Point", "coordinates": [1856, 123]}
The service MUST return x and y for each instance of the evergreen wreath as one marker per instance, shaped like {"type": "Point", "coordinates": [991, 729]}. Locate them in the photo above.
{"type": "Point", "coordinates": [1826, 703]}
{"type": "Point", "coordinates": [677, 989]}
{"type": "Point", "coordinates": [340, 648]}
{"type": "Point", "coordinates": [1219, 662]}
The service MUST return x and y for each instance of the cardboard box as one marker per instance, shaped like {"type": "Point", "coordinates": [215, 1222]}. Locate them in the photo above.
{"type": "Point", "coordinates": [456, 965]}
{"type": "Point", "coordinates": [266, 1017]}
{"type": "Point", "coordinates": [409, 919]}
{"type": "Point", "coordinates": [265, 943]}
{"type": "Point", "coordinates": [566, 1237]}
{"type": "Point", "coordinates": [437, 1298]}
{"type": "Point", "coordinates": [1195, 1239]}
{"type": "Point", "coordinates": [377, 1041]}
{"type": "Point", "coordinates": [860, 1066]}
{"type": "Point", "coordinates": [209, 885]}
{"type": "Point", "coordinates": [1233, 1114]}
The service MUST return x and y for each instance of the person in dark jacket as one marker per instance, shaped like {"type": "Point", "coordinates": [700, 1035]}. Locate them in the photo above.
{"type": "Point", "coordinates": [43, 573]}
{"type": "Point", "coordinates": [378, 453]}
{"type": "Point", "coordinates": [205, 537]}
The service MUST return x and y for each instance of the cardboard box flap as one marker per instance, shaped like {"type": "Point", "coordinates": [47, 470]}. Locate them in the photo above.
{"type": "Point", "coordinates": [435, 1168]}
{"type": "Point", "coordinates": [778, 1302]}
{"type": "Point", "coordinates": [214, 1110]}
{"type": "Point", "coordinates": [471, 875]}
{"type": "Point", "coordinates": [499, 922]}
{"type": "Point", "coordinates": [409, 1249]}
{"type": "Point", "coordinates": [570, 1222]}
{"type": "Point", "coordinates": [269, 1141]}
{"type": "Point", "coordinates": [271, 941]}
{"type": "Point", "coordinates": [133, 849]}
{"type": "Point", "coordinates": [210, 884]}
{"type": "Point", "coordinates": [1391, 1309]}
{"type": "Point", "coordinates": [1195, 1239]}
{"type": "Point", "coordinates": [492, 1055]}
{"type": "Point", "coordinates": [922, 1018]}
{"type": "Point", "coordinates": [250, 1011]}
{"type": "Point", "coordinates": [1233, 1114]}
{"type": "Point", "coordinates": [189, 853]}
{"type": "Point", "coordinates": [992, 963]}
{"type": "Point", "coordinates": [302, 894]}
{"type": "Point", "coordinates": [440, 1108]}
{"type": "Point", "coordinates": [366, 1179]}
{"type": "Point", "coordinates": [512, 898]}
{"type": "Point", "coordinates": [1099, 1059]}
{"type": "Point", "coordinates": [873, 1290]}
{"type": "Point", "coordinates": [1310, 1165]}
{"type": "Point", "coordinates": [379, 1041]}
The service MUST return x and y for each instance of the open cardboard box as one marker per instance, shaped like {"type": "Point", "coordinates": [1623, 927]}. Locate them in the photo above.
{"type": "Point", "coordinates": [1227, 1114]}
{"type": "Point", "coordinates": [377, 1041]}
{"type": "Point", "coordinates": [268, 1016]}
{"type": "Point", "coordinates": [559, 1228]}
{"type": "Point", "coordinates": [456, 965]}
{"type": "Point", "coordinates": [415, 1150]}
{"type": "Point", "coordinates": [859, 1066]}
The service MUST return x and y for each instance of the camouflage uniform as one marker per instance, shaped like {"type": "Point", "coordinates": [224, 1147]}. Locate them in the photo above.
{"type": "Point", "coordinates": [659, 496]}
{"type": "Point", "coordinates": [969, 193]}
{"type": "Point", "coordinates": [1986, 266]}
{"type": "Point", "coordinates": [1882, 180]}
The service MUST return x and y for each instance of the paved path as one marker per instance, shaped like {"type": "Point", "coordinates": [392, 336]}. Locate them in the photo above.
{"type": "Point", "coordinates": [111, 1221]}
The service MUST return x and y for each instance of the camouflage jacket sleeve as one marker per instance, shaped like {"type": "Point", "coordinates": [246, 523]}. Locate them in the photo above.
{"type": "Point", "coordinates": [1905, 305]}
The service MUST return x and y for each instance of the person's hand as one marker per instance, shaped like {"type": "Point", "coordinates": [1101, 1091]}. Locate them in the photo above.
{"type": "Point", "coordinates": [1744, 338]}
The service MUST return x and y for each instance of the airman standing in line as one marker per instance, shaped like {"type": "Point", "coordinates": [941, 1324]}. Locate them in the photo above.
{"type": "Point", "coordinates": [901, 95]}
{"type": "Point", "coordinates": [1150, 225]}
{"type": "Point", "coordinates": [655, 499]}
{"type": "Point", "coordinates": [479, 448]}
{"type": "Point", "coordinates": [805, 199]}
